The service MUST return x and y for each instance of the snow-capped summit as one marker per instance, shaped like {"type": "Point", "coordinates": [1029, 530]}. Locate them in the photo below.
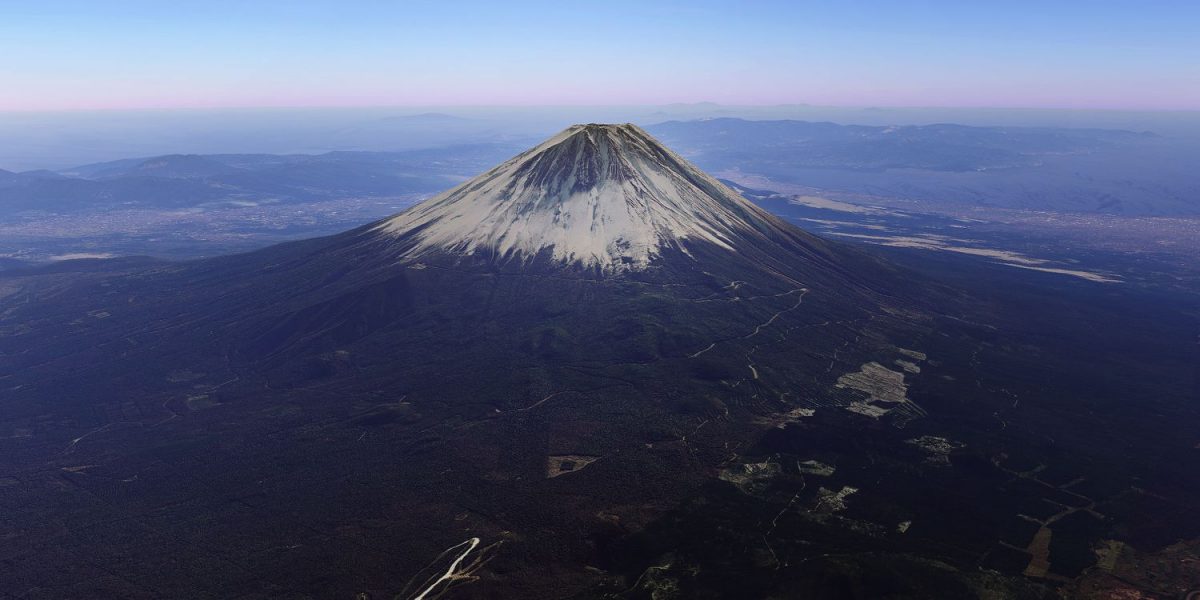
{"type": "Point", "coordinates": [609, 197]}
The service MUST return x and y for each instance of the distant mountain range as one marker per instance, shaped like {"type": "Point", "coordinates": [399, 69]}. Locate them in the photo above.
{"type": "Point", "coordinates": [943, 147]}
{"type": "Point", "coordinates": [1055, 169]}
{"type": "Point", "coordinates": [1088, 170]}
{"type": "Point", "coordinates": [179, 181]}
{"type": "Point", "coordinates": [955, 167]}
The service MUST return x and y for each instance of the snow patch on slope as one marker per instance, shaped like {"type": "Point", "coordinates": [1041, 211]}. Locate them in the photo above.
{"type": "Point", "coordinates": [603, 196]}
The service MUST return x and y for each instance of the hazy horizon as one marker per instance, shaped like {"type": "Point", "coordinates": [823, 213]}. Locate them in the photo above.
{"type": "Point", "coordinates": [63, 139]}
{"type": "Point", "coordinates": [87, 83]}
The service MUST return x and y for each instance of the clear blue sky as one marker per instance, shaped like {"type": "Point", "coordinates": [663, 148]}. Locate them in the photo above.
{"type": "Point", "coordinates": [181, 53]}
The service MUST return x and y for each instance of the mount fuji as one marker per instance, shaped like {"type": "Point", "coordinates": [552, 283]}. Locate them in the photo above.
{"type": "Point", "coordinates": [593, 371]}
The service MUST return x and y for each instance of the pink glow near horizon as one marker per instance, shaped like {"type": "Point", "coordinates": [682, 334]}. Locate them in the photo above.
{"type": "Point", "coordinates": [127, 99]}
{"type": "Point", "coordinates": [136, 54]}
